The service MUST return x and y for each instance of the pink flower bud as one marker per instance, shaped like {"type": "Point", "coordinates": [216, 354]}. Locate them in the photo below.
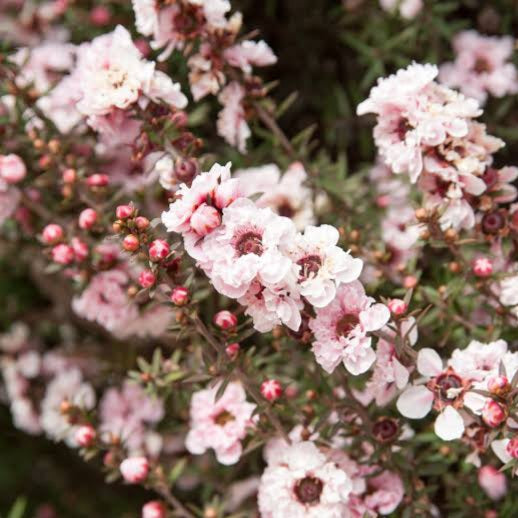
{"type": "Point", "coordinates": [180, 296]}
{"type": "Point", "coordinates": [383, 201]}
{"type": "Point", "coordinates": [80, 249]}
{"type": "Point", "coordinates": [225, 319]}
{"type": "Point", "coordinates": [154, 509]}
{"type": "Point", "coordinates": [63, 254]}
{"type": "Point", "coordinates": [142, 223]}
{"type": "Point", "coordinates": [134, 469]}
{"type": "Point", "coordinates": [271, 390]}
{"type": "Point", "coordinates": [482, 267]}
{"type": "Point", "coordinates": [87, 219]}
{"type": "Point", "coordinates": [100, 15]}
{"type": "Point", "coordinates": [69, 175]}
{"type": "Point", "coordinates": [146, 279]}
{"type": "Point", "coordinates": [12, 168]}
{"type": "Point", "coordinates": [130, 243]}
{"type": "Point", "coordinates": [512, 447]}
{"type": "Point", "coordinates": [97, 180]}
{"type": "Point", "coordinates": [493, 414]}
{"type": "Point", "coordinates": [205, 219]}
{"type": "Point", "coordinates": [179, 119]}
{"type": "Point", "coordinates": [232, 350]}
{"type": "Point", "coordinates": [158, 250]}
{"type": "Point", "coordinates": [493, 482]}
{"type": "Point", "coordinates": [498, 385]}
{"type": "Point", "coordinates": [397, 307]}
{"type": "Point", "coordinates": [124, 211]}
{"type": "Point", "coordinates": [85, 435]}
{"type": "Point", "coordinates": [52, 234]}
{"type": "Point", "coordinates": [410, 282]}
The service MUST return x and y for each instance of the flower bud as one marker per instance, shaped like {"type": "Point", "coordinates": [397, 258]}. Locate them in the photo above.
{"type": "Point", "coordinates": [52, 234]}
{"type": "Point", "coordinates": [146, 279]}
{"type": "Point", "coordinates": [100, 16]}
{"type": "Point", "coordinates": [97, 180]}
{"type": "Point", "coordinates": [158, 250]}
{"type": "Point", "coordinates": [232, 350]}
{"type": "Point", "coordinates": [493, 482]}
{"type": "Point", "coordinates": [63, 254]}
{"type": "Point", "coordinates": [186, 169]}
{"type": "Point", "coordinates": [134, 469]}
{"type": "Point", "coordinates": [12, 168]}
{"type": "Point", "coordinates": [130, 243]}
{"type": "Point", "coordinates": [180, 296]}
{"type": "Point", "coordinates": [410, 282]}
{"type": "Point", "coordinates": [85, 435]}
{"type": "Point", "coordinates": [225, 319]}
{"type": "Point", "coordinates": [124, 211]}
{"type": "Point", "coordinates": [87, 219]}
{"type": "Point", "coordinates": [498, 385]}
{"type": "Point", "coordinates": [512, 447]}
{"type": "Point", "coordinates": [69, 175]}
{"type": "Point", "coordinates": [179, 119]}
{"type": "Point", "coordinates": [154, 509]}
{"type": "Point", "coordinates": [271, 389]}
{"type": "Point", "coordinates": [482, 267]}
{"type": "Point", "coordinates": [397, 307]}
{"type": "Point", "coordinates": [205, 219]}
{"type": "Point", "coordinates": [80, 249]}
{"type": "Point", "coordinates": [142, 223]}
{"type": "Point", "coordinates": [493, 414]}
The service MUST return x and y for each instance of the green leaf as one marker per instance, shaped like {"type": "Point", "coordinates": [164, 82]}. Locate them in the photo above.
{"type": "Point", "coordinates": [18, 508]}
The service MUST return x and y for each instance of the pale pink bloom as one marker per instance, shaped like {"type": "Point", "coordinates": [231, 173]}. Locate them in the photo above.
{"type": "Point", "coordinates": [67, 385]}
{"type": "Point", "coordinates": [232, 125]}
{"type": "Point", "coordinates": [40, 64]}
{"type": "Point", "coordinates": [153, 321]}
{"type": "Point", "coordinates": [154, 509]}
{"type": "Point", "coordinates": [134, 469]}
{"type": "Point", "coordinates": [303, 483]}
{"type": "Point", "coordinates": [105, 300]}
{"type": "Point", "coordinates": [391, 189]}
{"type": "Point", "coordinates": [246, 247]}
{"type": "Point", "coordinates": [385, 492]}
{"type": "Point", "coordinates": [204, 76]}
{"type": "Point", "coordinates": [481, 66]}
{"type": "Point", "coordinates": [248, 53]}
{"type": "Point", "coordinates": [116, 129]}
{"type": "Point", "coordinates": [442, 388]}
{"type": "Point", "coordinates": [219, 424]}
{"type": "Point", "coordinates": [499, 183]}
{"type": "Point", "coordinates": [285, 194]}
{"type": "Point", "coordinates": [493, 482]}
{"type": "Point", "coordinates": [112, 74]}
{"type": "Point", "coordinates": [342, 328]}
{"type": "Point", "coordinates": [508, 288]}
{"type": "Point", "coordinates": [214, 11]}
{"type": "Point", "coordinates": [399, 228]}
{"type": "Point", "coordinates": [12, 169]}
{"type": "Point", "coordinates": [323, 266]}
{"type": "Point", "coordinates": [129, 414]}
{"type": "Point", "coordinates": [407, 8]}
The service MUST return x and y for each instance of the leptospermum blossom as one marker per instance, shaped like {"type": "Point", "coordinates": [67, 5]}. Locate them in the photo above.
{"type": "Point", "coordinates": [441, 388]}
{"type": "Point", "coordinates": [342, 328]}
{"type": "Point", "coordinates": [481, 66]}
{"type": "Point", "coordinates": [302, 481]}
{"type": "Point", "coordinates": [220, 424]}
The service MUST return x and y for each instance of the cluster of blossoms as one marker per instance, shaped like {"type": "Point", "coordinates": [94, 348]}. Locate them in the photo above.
{"type": "Point", "coordinates": [429, 132]}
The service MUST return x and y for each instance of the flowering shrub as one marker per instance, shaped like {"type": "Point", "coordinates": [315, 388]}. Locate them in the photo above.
{"type": "Point", "coordinates": [227, 312]}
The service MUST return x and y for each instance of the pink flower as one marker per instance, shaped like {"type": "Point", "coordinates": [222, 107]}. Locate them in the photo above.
{"type": "Point", "coordinates": [493, 482]}
{"type": "Point", "coordinates": [63, 254]}
{"type": "Point", "coordinates": [248, 53]}
{"type": "Point", "coordinates": [232, 125]}
{"type": "Point", "coordinates": [482, 267]}
{"type": "Point", "coordinates": [385, 492]}
{"type": "Point", "coordinates": [85, 435]}
{"type": "Point", "coordinates": [481, 66]}
{"type": "Point", "coordinates": [271, 389]}
{"type": "Point", "coordinates": [302, 481]}
{"type": "Point", "coordinates": [443, 388]}
{"type": "Point", "coordinates": [51, 234]}
{"type": "Point", "coordinates": [341, 329]}
{"type": "Point", "coordinates": [87, 218]}
{"type": "Point", "coordinates": [219, 424]}
{"type": "Point", "coordinates": [154, 509]}
{"type": "Point", "coordinates": [12, 168]}
{"type": "Point", "coordinates": [134, 469]}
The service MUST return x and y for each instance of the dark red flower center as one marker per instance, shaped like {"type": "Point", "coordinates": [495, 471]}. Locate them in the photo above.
{"type": "Point", "coordinates": [250, 243]}
{"type": "Point", "coordinates": [445, 382]}
{"type": "Point", "coordinates": [309, 266]}
{"type": "Point", "coordinates": [223, 418]}
{"type": "Point", "coordinates": [308, 490]}
{"type": "Point", "coordinates": [346, 324]}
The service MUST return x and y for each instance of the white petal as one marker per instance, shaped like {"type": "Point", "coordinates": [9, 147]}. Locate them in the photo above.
{"type": "Point", "coordinates": [401, 374]}
{"type": "Point", "coordinates": [499, 449]}
{"type": "Point", "coordinates": [429, 363]}
{"type": "Point", "coordinates": [415, 402]}
{"type": "Point", "coordinates": [475, 402]}
{"type": "Point", "coordinates": [449, 424]}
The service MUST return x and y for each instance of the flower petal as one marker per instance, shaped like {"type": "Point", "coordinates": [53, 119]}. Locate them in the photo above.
{"type": "Point", "coordinates": [415, 402]}
{"type": "Point", "coordinates": [429, 363]}
{"type": "Point", "coordinates": [449, 424]}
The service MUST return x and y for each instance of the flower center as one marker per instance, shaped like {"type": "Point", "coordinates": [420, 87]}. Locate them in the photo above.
{"type": "Point", "coordinates": [385, 429]}
{"type": "Point", "coordinates": [309, 266]}
{"type": "Point", "coordinates": [223, 418]}
{"type": "Point", "coordinates": [285, 209]}
{"type": "Point", "coordinates": [346, 324]}
{"type": "Point", "coordinates": [403, 128]}
{"type": "Point", "coordinates": [308, 490]}
{"type": "Point", "coordinates": [492, 222]}
{"type": "Point", "coordinates": [249, 243]}
{"type": "Point", "coordinates": [445, 382]}
{"type": "Point", "coordinates": [481, 66]}
{"type": "Point", "coordinates": [490, 177]}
